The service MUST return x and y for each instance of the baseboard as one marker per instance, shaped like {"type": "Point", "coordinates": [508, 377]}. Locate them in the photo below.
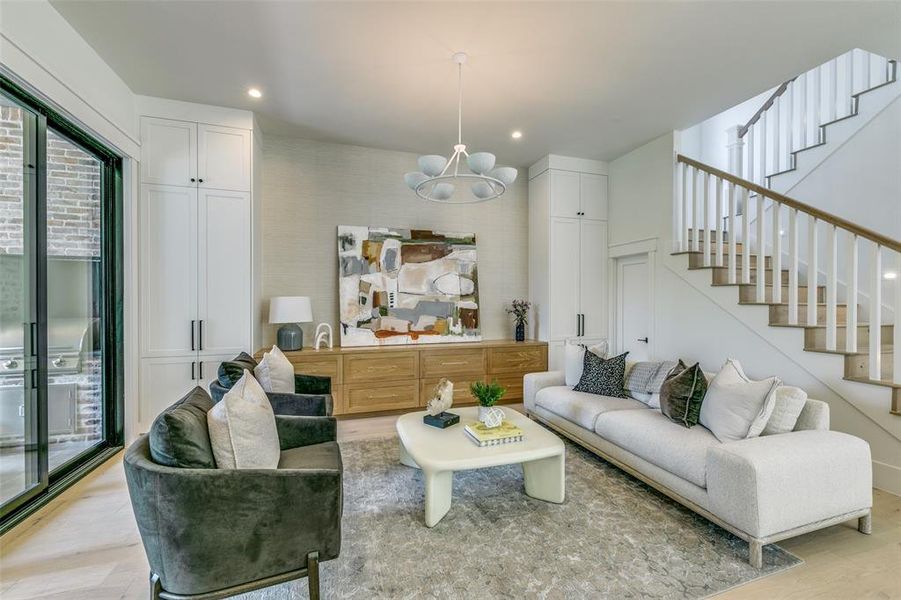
{"type": "Point", "coordinates": [887, 477]}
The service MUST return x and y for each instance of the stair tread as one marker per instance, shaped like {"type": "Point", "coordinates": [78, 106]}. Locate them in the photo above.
{"type": "Point", "coordinates": [882, 382]}
{"type": "Point", "coordinates": [885, 350]}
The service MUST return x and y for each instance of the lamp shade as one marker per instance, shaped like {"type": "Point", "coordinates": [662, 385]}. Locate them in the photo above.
{"type": "Point", "coordinates": [290, 309]}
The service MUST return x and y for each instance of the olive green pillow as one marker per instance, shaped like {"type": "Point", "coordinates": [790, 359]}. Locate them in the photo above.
{"type": "Point", "coordinates": [179, 436]}
{"type": "Point", "coordinates": [232, 370]}
{"type": "Point", "coordinates": [682, 393]}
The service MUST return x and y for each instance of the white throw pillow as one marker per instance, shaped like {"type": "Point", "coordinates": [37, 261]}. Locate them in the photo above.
{"type": "Point", "coordinates": [574, 359]}
{"type": "Point", "coordinates": [242, 428]}
{"type": "Point", "coordinates": [789, 403]}
{"type": "Point", "coordinates": [275, 372]}
{"type": "Point", "coordinates": [735, 407]}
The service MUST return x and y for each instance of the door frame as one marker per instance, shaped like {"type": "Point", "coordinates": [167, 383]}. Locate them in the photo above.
{"type": "Point", "coordinates": [617, 252]}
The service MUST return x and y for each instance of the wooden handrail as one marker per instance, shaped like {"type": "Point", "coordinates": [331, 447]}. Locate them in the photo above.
{"type": "Point", "coordinates": [821, 215]}
{"type": "Point", "coordinates": [766, 106]}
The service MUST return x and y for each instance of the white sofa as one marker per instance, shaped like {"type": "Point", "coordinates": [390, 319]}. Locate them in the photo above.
{"type": "Point", "coordinates": [762, 489]}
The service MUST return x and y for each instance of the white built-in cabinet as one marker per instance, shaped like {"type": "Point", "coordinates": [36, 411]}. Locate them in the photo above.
{"type": "Point", "coordinates": [568, 252]}
{"type": "Point", "coordinates": [195, 224]}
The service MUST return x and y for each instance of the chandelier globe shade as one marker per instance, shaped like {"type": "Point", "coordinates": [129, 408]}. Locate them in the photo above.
{"type": "Point", "coordinates": [439, 178]}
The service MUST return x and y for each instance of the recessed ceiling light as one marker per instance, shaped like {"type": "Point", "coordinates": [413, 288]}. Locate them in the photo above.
{"type": "Point", "coordinates": [516, 135]}
{"type": "Point", "coordinates": [254, 93]}
{"type": "Point", "coordinates": [890, 275]}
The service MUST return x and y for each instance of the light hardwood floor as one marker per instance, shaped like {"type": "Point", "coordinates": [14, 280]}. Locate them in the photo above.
{"type": "Point", "coordinates": [85, 545]}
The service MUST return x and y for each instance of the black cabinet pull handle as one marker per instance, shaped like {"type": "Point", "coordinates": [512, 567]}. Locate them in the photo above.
{"type": "Point", "coordinates": [201, 370]}
{"type": "Point", "coordinates": [200, 180]}
{"type": "Point", "coordinates": [193, 180]}
{"type": "Point", "coordinates": [32, 332]}
{"type": "Point", "coordinates": [192, 335]}
{"type": "Point", "coordinates": [200, 332]}
{"type": "Point", "coordinates": [644, 339]}
{"type": "Point", "coordinates": [193, 377]}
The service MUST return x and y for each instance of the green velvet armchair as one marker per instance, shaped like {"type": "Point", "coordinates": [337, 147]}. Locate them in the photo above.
{"type": "Point", "coordinates": [212, 533]}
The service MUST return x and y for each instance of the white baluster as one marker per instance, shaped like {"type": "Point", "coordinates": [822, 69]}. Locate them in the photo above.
{"type": "Point", "coordinates": [750, 172]}
{"type": "Point", "coordinates": [719, 221]}
{"type": "Point", "coordinates": [777, 135]}
{"type": "Point", "coordinates": [817, 103]}
{"type": "Point", "coordinates": [764, 137]}
{"type": "Point", "coordinates": [685, 226]}
{"type": "Point", "coordinates": [789, 123]}
{"type": "Point", "coordinates": [745, 237]}
{"type": "Point", "coordinates": [696, 211]}
{"type": "Point", "coordinates": [832, 96]}
{"type": "Point", "coordinates": [811, 270]}
{"type": "Point", "coordinates": [777, 253]}
{"type": "Point", "coordinates": [793, 264]}
{"type": "Point", "coordinates": [896, 329]}
{"type": "Point", "coordinates": [876, 313]}
{"type": "Point", "coordinates": [761, 250]}
{"type": "Point", "coordinates": [733, 192]}
{"type": "Point", "coordinates": [680, 201]}
{"type": "Point", "coordinates": [851, 287]}
{"type": "Point", "coordinates": [707, 231]}
{"type": "Point", "coordinates": [831, 285]}
{"type": "Point", "coordinates": [803, 124]}
{"type": "Point", "coordinates": [848, 101]}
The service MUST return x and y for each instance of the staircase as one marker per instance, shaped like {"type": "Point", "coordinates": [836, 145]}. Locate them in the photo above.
{"type": "Point", "coordinates": [708, 230]}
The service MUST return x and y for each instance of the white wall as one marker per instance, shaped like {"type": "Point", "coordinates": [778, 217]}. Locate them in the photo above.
{"type": "Point", "coordinates": [691, 326]}
{"type": "Point", "coordinates": [309, 188]}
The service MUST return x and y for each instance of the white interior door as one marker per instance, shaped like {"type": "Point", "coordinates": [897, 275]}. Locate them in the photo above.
{"type": "Point", "coordinates": [168, 152]}
{"type": "Point", "coordinates": [565, 193]}
{"type": "Point", "coordinates": [593, 196]}
{"type": "Point", "coordinates": [224, 272]}
{"type": "Point", "coordinates": [164, 381]}
{"type": "Point", "coordinates": [564, 277]}
{"type": "Point", "coordinates": [633, 306]}
{"type": "Point", "coordinates": [593, 277]}
{"type": "Point", "coordinates": [168, 270]}
{"type": "Point", "coordinates": [223, 158]}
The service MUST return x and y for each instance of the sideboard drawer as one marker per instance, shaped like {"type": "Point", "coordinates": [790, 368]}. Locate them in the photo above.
{"type": "Point", "coordinates": [365, 397]}
{"type": "Point", "coordinates": [514, 386]}
{"type": "Point", "coordinates": [517, 360]}
{"type": "Point", "coordinates": [381, 366]}
{"type": "Point", "coordinates": [325, 366]}
{"type": "Point", "coordinates": [447, 363]}
{"type": "Point", "coordinates": [462, 395]}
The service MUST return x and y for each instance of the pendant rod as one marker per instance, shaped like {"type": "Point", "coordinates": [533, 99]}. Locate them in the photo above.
{"type": "Point", "coordinates": [460, 103]}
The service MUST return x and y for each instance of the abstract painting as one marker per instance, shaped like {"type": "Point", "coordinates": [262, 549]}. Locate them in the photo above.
{"type": "Point", "coordinates": [407, 286]}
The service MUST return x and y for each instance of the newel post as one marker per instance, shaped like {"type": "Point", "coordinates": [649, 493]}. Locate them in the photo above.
{"type": "Point", "coordinates": [736, 147]}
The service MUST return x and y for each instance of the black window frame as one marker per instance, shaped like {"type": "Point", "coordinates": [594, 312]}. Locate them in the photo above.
{"type": "Point", "coordinates": [112, 331]}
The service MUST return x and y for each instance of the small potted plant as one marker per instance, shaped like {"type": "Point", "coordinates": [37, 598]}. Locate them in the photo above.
{"type": "Point", "coordinates": [520, 311]}
{"type": "Point", "coordinates": [488, 394]}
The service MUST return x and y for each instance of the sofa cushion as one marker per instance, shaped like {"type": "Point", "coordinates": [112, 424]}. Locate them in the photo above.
{"type": "Point", "coordinates": [660, 441]}
{"type": "Point", "coordinates": [789, 402]}
{"type": "Point", "coordinates": [179, 437]}
{"type": "Point", "coordinates": [682, 393]}
{"type": "Point", "coordinates": [574, 359]}
{"type": "Point", "coordinates": [231, 371]}
{"type": "Point", "coordinates": [324, 456]}
{"type": "Point", "coordinates": [736, 407]}
{"type": "Point", "coordinates": [581, 408]}
{"type": "Point", "coordinates": [603, 377]}
{"type": "Point", "coordinates": [242, 428]}
{"type": "Point", "coordinates": [275, 372]}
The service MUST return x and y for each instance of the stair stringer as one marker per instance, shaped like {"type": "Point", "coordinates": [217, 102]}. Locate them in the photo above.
{"type": "Point", "coordinates": [857, 408]}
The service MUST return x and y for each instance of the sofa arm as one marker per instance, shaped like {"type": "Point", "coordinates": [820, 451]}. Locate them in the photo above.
{"type": "Point", "coordinates": [770, 484]}
{"type": "Point", "coordinates": [535, 382]}
{"type": "Point", "coordinates": [295, 431]}
{"type": "Point", "coordinates": [308, 405]}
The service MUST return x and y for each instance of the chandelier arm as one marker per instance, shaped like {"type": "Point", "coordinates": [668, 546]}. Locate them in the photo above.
{"type": "Point", "coordinates": [447, 166]}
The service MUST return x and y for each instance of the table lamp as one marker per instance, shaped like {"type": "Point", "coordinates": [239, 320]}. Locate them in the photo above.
{"type": "Point", "coordinates": [290, 310]}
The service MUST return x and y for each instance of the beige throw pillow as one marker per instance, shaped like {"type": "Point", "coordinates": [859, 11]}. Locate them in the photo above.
{"type": "Point", "coordinates": [275, 372]}
{"type": "Point", "coordinates": [736, 407]}
{"type": "Point", "coordinates": [242, 428]}
{"type": "Point", "coordinates": [789, 403]}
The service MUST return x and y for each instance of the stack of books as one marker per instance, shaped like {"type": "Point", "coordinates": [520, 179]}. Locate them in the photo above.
{"type": "Point", "coordinates": [506, 433]}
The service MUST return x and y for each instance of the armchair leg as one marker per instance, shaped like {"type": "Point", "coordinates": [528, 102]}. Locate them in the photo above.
{"type": "Point", "coordinates": [313, 574]}
{"type": "Point", "coordinates": [155, 586]}
{"type": "Point", "coordinates": [755, 554]}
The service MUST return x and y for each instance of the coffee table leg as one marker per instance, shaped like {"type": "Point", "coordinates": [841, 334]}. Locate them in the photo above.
{"type": "Point", "coordinates": [438, 490]}
{"type": "Point", "coordinates": [405, 458]}
{"type": "Point", "coordinates": [545, 479]}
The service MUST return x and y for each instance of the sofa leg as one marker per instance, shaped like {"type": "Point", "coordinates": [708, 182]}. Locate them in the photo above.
{"type": "Point", "coordinates": [313, 574]}
{"type": "Point", "coordinates": [865, 523]}
{"type": "Point", "coordinates": [755, 554]}
{"type": "Point", "coordinates": [155, 586]}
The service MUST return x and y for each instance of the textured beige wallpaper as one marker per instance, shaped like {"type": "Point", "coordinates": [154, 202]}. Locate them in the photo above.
{"type": "Point", "coordinates": [309, 188]}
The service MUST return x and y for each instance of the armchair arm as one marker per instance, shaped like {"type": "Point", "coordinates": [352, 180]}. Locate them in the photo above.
{"type": "Point", "coordinates": [770, 484]}
{"type": "Point", "coordinates": [535, 382]}
{"type": "Point", "coordinates": [312, 384]}
{"type": "Point", "coordinates": [296, 431]}
{"type": "Point", "coordinates": [207, 529]}
{"type": "Point", "coordinates": [310, 405]}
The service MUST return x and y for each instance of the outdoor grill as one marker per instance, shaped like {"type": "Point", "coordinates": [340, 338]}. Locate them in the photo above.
{"type": "Point", "coordinates": [66, 340]}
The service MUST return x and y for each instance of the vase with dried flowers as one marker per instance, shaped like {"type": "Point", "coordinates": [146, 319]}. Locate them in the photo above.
{"type": "Point", "coordinates": [520, 311]}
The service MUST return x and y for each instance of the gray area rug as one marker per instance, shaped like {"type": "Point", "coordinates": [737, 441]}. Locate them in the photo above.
{"type": "Point", "coordinates": [614, 537]}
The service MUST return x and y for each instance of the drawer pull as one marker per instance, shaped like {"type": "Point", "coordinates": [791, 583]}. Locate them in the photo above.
{"type": "Point", "coordinates": [453, 362]}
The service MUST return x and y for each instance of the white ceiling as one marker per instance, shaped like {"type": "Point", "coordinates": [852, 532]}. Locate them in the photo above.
{"type": "Point", "coordinates": [586, 79]}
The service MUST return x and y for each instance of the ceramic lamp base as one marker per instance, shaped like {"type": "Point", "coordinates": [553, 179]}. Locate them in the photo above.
{"type": "Point", "coordinates": [290, 337]}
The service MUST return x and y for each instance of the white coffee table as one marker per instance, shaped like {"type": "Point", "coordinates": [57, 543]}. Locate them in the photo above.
{"type": "Point", "coordinates": [440, 452]}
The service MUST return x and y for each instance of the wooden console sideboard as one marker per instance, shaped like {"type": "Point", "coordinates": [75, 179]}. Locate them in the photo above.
{"type": "Point", "coordinates": [390, 378]}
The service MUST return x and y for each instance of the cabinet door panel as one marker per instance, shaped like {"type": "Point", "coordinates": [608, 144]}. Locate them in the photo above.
{"type": "Point", "coordinates": [168, 268]}
{"type": "Point", "coordinates": [593, 196]}
{"type": "Point", "coordinates": [224, 272]}
{"type": "Point", "coordinates": [164, 381]}
{"type": "Point", "coordinates": [593, 278]}
{"type": "Point", "coordinates": [224, 158]}
{"type": "Point", "coordinates": [564, 277]}
{"type": "Point", "coordinates": [168, 152]}
{"type": "Point", "coordinates": [565, 194]}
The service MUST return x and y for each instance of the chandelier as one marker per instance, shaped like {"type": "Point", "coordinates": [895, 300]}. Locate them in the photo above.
{"type": "Point", "coordinates": [434, 179]}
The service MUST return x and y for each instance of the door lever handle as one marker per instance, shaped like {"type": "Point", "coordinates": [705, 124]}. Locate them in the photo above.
{"type": "Point", "coordinates": [644, 339]}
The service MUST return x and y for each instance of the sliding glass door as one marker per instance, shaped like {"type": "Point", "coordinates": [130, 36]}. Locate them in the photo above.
{"type": "Point", "coordinates": [60, 300]}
